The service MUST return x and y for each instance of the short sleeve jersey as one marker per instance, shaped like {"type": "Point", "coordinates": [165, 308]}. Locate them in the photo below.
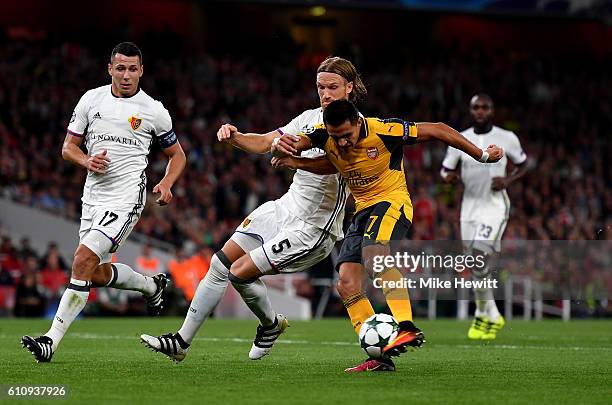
{"type": "Point", "coordinates": [125, 128]}
{"type": "Point", "coordinates": [373, 168]}
{"type": "Point", "coordinates": [479, 200]}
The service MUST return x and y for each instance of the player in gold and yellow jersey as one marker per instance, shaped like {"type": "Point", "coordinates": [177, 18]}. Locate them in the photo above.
{"type": "Point", "coordinates": [368, 154]}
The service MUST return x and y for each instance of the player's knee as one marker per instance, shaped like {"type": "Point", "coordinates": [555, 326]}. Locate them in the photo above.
{"type": "Point", "coordinates": [238, 281]}
{"type": "Point", "coordinates": [244, 269]}
{"type": "Point", "coordinates": [376, 249]}
{"type": "Point", "coordinates": [102, 275]}
{"type": "Point", "coordinates": [85, 263]}
{"type": "Point", "coordinates": [220, 259]}
{"type": "Point", "coordinates": [237, 269]}
{"type": "Point", "coordinates": [481, 267]}
{"type": "Point", "coordinates": [370, 253]}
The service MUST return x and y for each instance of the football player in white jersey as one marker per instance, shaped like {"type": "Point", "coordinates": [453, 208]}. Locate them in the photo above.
{"type": "Point", "coordinates": [283, 236]}
{"type": "Point", "coordinates": [118, 123]}
{"type": "Point", "coordinates": [485, 205]}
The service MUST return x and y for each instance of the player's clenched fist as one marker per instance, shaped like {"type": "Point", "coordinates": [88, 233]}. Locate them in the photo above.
{"type": "Point", "coordinates": [98, 163]}
{"type": "Point", "coordinates": [165, 193]}
{"type": "Point", "coordinates": [495, 153]}
{"type": "Point", "coordinates": [287, 161]}
{"type": "Point", "coordinates": [225, 133]}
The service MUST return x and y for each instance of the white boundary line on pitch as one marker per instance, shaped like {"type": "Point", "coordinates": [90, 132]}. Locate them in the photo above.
{"type": "Point", "coordinates": [97, 336]}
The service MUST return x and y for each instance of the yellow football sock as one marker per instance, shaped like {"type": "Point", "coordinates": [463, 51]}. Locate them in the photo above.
{"type": "Point", "coordinates": [359, 309]}
{"type": "Point", "coordinates": [398, 299]}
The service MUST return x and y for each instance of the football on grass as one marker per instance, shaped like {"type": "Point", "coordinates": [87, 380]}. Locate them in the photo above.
{"type": "Point", "coordinates": [376, 332]}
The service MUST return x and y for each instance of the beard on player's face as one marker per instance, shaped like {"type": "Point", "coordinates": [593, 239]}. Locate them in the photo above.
{"type": "Point", "coordinates": [482, 120]}
{"type": "Point", "coordinates": [333, 95]}
{"type": "Point", "coordinates": [482, 115]}
{"type": "Point", "coordinates": [483, 124]}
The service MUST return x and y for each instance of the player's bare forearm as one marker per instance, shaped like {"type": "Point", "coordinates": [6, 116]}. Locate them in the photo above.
{"type": "Point", "coordinates": [518, 172]}
{"type": "Point", "coordinates": [500, 183]}
{"type": "Point", "coordinates": [252, 142]}
{"type": "Point", "coordinates": [71, 151]}
{"type": "Point", "coordinates": [448, 135]}
{"type": "Point", "coordinates": [318, 165]}
{"type": "Point", "coordinates": [176, 164]}
{"type": "Point", "coordinates": [249, 142]}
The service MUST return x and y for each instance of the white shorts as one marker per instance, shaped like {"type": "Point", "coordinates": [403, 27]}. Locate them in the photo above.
{"type": "Point", "coordinates": [103, 229]}
{"type": "Point", "coordinates": [279, 242]}
{"type": "Point", "coordinates": [484, 235]}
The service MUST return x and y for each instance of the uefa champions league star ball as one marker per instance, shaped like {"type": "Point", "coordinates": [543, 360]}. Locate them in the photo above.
{"type": "Point", "coordinates": [376, 332]}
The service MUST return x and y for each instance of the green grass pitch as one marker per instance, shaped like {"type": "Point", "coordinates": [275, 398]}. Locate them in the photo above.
{"type": "Point", "coordinates": [102, 361]}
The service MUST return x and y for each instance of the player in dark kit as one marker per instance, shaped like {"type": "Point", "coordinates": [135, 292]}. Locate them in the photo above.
{"type": "Point", "coordinates": [368, 154]}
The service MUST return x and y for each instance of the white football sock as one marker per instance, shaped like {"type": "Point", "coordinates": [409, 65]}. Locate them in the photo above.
{"type": "Point", "coordinates": [207, 296]}
{"type": "Point", "coordinates": [255, 295]}
{"type": "Point", "coordinates": [123, 277]}
{"type": "Point", "coordinates": [485, 301]}
{"type": "Point", "coordinates": [492, 311]}
{"type": "Point", "coordinates": [485, 304]}
{"type": "Point", "coordinates": [72, 303]}
{"type": "Point", "coordinates": [482, 297]}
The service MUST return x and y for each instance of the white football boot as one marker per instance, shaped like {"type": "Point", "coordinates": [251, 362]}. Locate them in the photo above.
{"type": "Point", "coordinates": [172, 345]}
{"type": "Point", "coordinates": [266, 336]}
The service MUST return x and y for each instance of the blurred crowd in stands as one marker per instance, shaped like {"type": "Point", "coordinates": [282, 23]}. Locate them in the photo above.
{"type": "Point", "coordinates": [558, 105]}
{"type": "Point", "coordinates": [31, 282]}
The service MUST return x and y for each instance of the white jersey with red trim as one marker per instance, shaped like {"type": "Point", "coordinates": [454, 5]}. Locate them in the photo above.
{"type": "Point", "coordinates": [479, 200]}
{"type": "Point", "coordinates": [318, 200]}
{"type": "Point", "coordinates": [125, 128]}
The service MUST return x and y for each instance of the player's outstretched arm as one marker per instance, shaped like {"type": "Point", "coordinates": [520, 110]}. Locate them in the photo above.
{"type": "Point", "coordinates": [446, 134]}
{"type": "Point", "coordinates": [71, 151]}
{"type": "Point", "coordinates": [249, 142]}
{"type": "Point", "coordinates": [176, 164]}
{"type": "Point", "coordinates": [318, 165]}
